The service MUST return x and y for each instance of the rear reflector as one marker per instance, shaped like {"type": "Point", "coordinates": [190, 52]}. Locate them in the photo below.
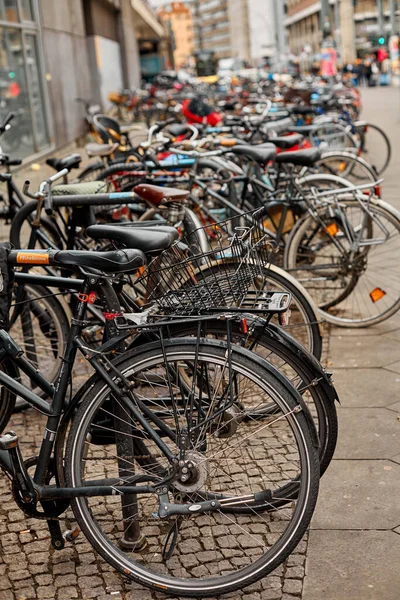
{"type": "Point", "coordinates": [377, 294]}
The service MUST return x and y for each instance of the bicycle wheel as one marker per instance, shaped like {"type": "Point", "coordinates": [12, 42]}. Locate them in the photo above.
{"type": "Point", "coordinates": [290, 358]}
{"type": "Point", "coordinates": [47, 236]}
{"type": "Point", "coordinates": [39, 325]}
{"type": "Point", "coordinates": [353, 288]}
{"type": "Point", "coordinates": [122, 177]}
{"type": "Point", "coordinates": [344, 164]}
{"type": "Point", "coordinates": [225, 549]}
{"type": "Point", "coordinates": [304, 321]}
{"type": "Point", "coordinates": [375, 147]}
{"type": "Point", "coordinates": [333, 136]}
{"type": "Point", "coordinates": [91, 172]}
{"type": "Point", "coordinates": [7, 398]}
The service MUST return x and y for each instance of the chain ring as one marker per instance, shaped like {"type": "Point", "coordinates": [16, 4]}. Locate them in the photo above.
{"type": "Point", "coordinates": [52, 509]}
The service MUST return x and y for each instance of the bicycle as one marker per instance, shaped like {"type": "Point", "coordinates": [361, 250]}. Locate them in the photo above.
{"type": "Point", "coordinates": [173, 437]}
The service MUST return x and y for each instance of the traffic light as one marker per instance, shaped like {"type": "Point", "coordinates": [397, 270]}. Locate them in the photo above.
{"type": "Point", "coordinates": [381, 41]}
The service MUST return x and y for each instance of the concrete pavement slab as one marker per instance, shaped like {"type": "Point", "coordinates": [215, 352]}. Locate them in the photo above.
{"type": "Point", "coordinates": [363, 387]}
{"type": "Point", "coordinates": [395, 407]}
{"type": "Point", "coordinates": [357, 351]}
{"type": "Point", "coordinates": [394, 367]}
{"type": "Point", "coordinates": [386, 327]}
{"type": "Point", "coordinates": [397, 460]}
{"type": "Point", "coordinates": [352, 565]}
{"type": "Point", "coordinates": [394, 335]}
{"type": "Point", "coordinates": [359, 494]}
{"type": "Point", "coordinates": [380, 433]}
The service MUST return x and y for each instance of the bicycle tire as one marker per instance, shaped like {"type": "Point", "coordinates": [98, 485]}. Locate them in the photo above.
{"type": "Point", "coordinates": [281, 545]}
{"type": "Point", "coordinates": [45, 317]}
{"type": "Point", "coordinates": [7, 398]}
{"type": "Point", "coordinates": [392, 216]}
{"type": "Point", "coordinates": [364, 138]}
{"type": "Point", "coordinates": [307, 330]}
{"type": "Point", "coordinates": [90, 173]}
{"type": "Point", "coordinates": [28, 211]}
{"type": "Point", "coordinates": [367, 173]}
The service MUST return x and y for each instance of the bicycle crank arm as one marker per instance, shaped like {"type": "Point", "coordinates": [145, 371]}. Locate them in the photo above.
{"type": "Point", "coordinates": [15, 466]}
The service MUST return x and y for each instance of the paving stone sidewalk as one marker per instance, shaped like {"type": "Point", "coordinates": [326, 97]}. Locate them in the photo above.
{"type": "Point", "coordinates": [352, 551]}
{"type": "Point", "coordinates": [354, 542]}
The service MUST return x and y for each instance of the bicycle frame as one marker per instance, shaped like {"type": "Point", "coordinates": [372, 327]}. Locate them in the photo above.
{"type": "Point", "coordinates": [105, 369]}
{"type": "Point", "coordinates": [58, 393]}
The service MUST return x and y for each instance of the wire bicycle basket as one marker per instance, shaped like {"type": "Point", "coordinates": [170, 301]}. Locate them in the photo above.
{"type": "Point", "coordinates": [186, 279]}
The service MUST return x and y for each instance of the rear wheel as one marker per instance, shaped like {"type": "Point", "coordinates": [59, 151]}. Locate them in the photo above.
{"type": "Point", "coordinates": [375, 147]}
{"type": "Point", "coordinates": [291, 359]}
{"type": "Point", "coordinates": [352, 290]}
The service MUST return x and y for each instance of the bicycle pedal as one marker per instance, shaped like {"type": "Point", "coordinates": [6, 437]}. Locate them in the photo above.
{"type": "Point", "coordinates": [8, 440]}
{"type": "Point", "coordinates": [71, 534]}
{"type": "Point", "coordinates": [57, 538]}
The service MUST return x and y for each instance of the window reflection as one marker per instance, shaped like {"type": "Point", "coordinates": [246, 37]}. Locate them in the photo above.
{"type": "Point", "coordinates": [27, 12]}
{"type": "Point", "coordinates": [36, 90]}
{"type": "Point", "coordinates": [9, 10]}
{"type": "Point", "coordinates": [14, 97]}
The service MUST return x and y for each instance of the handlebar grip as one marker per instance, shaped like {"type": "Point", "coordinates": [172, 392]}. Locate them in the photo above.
{"type": "Point", "coordinates": [57, 176]}
{"type": "Point", "coordinates": [162, 124]}
{"type": "Point", "coordinates": [25, 188]}
{"type": "Point", "coordinates": [48, 204]}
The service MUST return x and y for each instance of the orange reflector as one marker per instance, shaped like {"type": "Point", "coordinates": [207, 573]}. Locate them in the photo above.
{"type": "Point", "coordinates": [140, 271]}
{"type": "Point", "coordinates": [332, 229]}
{"type": "Point", "coordinates": [377, 294]}
{"type": "Point", "coordinates": [161, 587]}
{"type": "Point", "coordinates": [342, 166]}
{"type": "Point", "coordinates": [33, 258]}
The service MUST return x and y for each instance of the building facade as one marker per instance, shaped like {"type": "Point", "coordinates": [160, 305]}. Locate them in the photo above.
{"type": "Point", "coordinates": [357, 27]}
{"type": "Point", "coordinates": [179, 17]}
{"type": "Point", "coordinates": [243, 29]}
{"type": "Point", "coordinates": [211, 27]}
{"type": "Point", "coordinates": [53, 51]}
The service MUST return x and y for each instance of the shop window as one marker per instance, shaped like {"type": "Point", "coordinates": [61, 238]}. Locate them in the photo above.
{"type": "Point", "coordinates": [21, 83]}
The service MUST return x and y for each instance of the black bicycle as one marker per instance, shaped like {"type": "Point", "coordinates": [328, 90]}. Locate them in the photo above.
{"type": "Point", "coordinates": [185, 452]}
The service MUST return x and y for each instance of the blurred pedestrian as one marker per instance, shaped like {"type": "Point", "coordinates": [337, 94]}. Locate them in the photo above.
{"type": "Point", "coordinates": [367, 69]}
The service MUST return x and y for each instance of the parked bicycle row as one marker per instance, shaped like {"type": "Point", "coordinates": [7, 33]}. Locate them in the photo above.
{"type": "Point", "coordinates": [193, 274]}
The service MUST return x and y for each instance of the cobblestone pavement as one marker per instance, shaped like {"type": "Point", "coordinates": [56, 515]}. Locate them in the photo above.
{"type": "Point", "coordinates": [353, 548]}
{"type": "Point", "coordinates": [30, 568]}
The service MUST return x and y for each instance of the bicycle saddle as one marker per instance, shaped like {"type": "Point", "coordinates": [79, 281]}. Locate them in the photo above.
{"type": "Point", "coordinates": [115, 261]}
{"type": "Point", "coordinates": [261, 154]}
{"type": "Point", "coordinates": [303, 129]}
{"type": "Point", "coordinates": [94, 149]}
{"type": "Point", "coordinates": [286, 141]}
{"type": "Point", "coordinates": [178, 129]}
{"type": "Point", "coordinates": [72, 161]}
{"type": "Point", "coordinates": [150, 240]}
{"type": "Point", "coordinates": [156, 194]}
{"type": "Point", "coordinates": [304, 158]}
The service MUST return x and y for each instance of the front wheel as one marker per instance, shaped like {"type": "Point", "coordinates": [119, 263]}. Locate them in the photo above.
{"type": "Point", "coordinates": [224, 549]}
